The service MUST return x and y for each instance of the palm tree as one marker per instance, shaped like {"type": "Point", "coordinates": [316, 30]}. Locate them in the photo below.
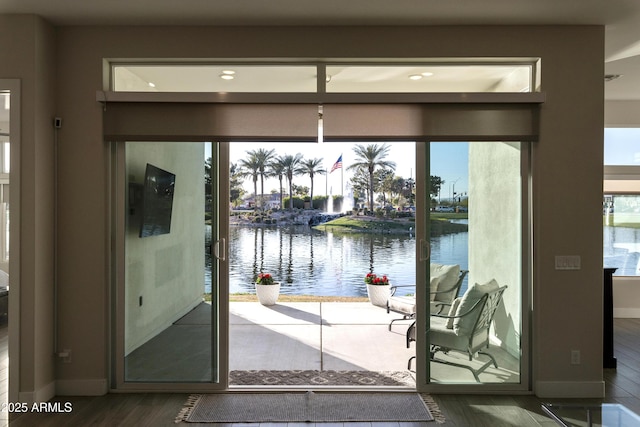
{"type": "Point", "coordinates": [251, 167]}
{"type": "Point", "coordinates": [384, 178]}
{"type": "Point", "coordinates": [292, 167]}
{"type": "Point", "coordinates": [263, 158]}
{"type": "Point", "coordinates": [277, 168]}
{"type": "Point", "coordinates": [312, 167]}
{"type": "Point", "coordinates": [369, 158]}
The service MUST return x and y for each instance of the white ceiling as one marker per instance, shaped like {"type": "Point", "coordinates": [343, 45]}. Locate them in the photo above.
{"type": "Point", "coordinates": [621, 18]}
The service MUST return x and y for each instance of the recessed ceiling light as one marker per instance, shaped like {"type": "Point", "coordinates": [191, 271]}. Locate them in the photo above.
{"type": "Point", "coordinates": [151, 84]}
{"type": "Point", "coordinates": [415, 76]}
{"type": "Point", "coordinates": [227, 74]}
{"type": "Point", "coordinates": [427, 74]}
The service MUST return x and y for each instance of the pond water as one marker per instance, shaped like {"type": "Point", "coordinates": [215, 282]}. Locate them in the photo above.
{"type": "Point", "coordinates": [622, 250]}
{"type": "Point", "coordinates": [311, 262]}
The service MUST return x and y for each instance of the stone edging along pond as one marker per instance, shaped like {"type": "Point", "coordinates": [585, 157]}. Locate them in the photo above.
{"type": "Point", "coordinates": [337, 223]}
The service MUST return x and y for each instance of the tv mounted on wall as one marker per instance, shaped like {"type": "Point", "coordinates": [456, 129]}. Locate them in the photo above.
{"type": "Point", "coordinates": [157, 201]}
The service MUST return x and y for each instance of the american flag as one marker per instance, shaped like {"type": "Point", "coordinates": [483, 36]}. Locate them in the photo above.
{"type": "Point", "coordinates": [337, 164]}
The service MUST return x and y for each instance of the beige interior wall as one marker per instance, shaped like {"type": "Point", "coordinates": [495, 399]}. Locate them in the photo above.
{"type": "Point", "coordinates": [566, 204]}
{"type": "Point", "coordinates": [571, 121]}
{"type": "Point", "coordinates": [167, 271]}
{"type": "Point", "coordinates": [28, 46]}
{"type": "Point", "coordinates": [622, 114]}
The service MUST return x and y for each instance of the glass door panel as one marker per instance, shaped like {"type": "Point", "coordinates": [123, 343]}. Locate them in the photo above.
{"type": "Point", "coordinates": [476, 226]}
{"type": "Point", "coordinates": [169, 277]}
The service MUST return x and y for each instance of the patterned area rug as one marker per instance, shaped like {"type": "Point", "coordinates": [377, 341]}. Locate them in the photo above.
{"type": "Point", "coordinates": [323, 378]}
{"type": "Point", "coordinates": [306, 407]}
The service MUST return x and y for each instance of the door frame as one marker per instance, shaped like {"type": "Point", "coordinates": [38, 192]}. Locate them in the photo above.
{"type": "Point", "coordinates": [526, 279]}
{"type": "Point", "coordinates": [219, 306]}
{"type": "Point", "coordinates": [429, 121]}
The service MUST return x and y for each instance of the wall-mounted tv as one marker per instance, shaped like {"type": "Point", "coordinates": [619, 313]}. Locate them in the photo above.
{"type": "Point", "coordinates": [157, 201]}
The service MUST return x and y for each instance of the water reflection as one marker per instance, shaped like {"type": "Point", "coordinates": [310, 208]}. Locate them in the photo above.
{"type": "Point", "coordinates": [311, 262]}
{"type": "Point", "coordinates": [622, 250]}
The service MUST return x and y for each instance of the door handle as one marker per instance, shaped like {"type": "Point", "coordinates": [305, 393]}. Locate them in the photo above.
{"type": "Point", "coordinates": [216, 250]}
{"type": "Point", "coordinates": [425, 250]}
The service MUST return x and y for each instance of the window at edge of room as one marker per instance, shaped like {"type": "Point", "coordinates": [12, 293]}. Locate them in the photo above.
{"type": "Point", "coordinates": [621, 201]}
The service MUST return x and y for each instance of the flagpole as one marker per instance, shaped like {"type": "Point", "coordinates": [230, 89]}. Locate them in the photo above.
{"type": "Point", "coordinates": [342, 181]}
{"type": "Point", "coordinates": [339, 165]}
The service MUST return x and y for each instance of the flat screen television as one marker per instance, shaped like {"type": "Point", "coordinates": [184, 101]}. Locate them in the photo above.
{"type": "Point", "coordinates": [157, 201]}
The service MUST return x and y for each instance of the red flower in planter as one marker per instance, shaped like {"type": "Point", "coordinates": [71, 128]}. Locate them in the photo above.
{"type": "Point", "coordinates": [373, 279]}
{"type": "Point", "coordinates": [264, 279]}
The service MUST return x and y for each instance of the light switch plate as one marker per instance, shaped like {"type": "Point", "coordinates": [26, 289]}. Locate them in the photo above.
{"type": "Point", "coordinates": [568, 262]}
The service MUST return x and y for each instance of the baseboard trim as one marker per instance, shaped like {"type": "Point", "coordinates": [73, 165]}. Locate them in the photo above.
{"type": "Point", "coordinates": [95, 387]}
{"type": "Point", "coordinates": [43, 394]}
{"type": "Point", "coordinates": [626, 313]}
{"type": "Point", "coordinates": [570, 389]}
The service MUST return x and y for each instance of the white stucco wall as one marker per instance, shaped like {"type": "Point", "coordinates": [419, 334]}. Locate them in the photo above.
{"type": "Point", "coordinates": [495, 228]}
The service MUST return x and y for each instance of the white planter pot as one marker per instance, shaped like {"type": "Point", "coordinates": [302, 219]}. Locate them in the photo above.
{"type": "Point", "coordinates": [268, 294]}
{"type": "Point", "coordinates": [378, 294]}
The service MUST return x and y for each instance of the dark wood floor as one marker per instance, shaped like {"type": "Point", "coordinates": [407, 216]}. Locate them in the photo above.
{"type": "Point", "coordinates": [622, 386]}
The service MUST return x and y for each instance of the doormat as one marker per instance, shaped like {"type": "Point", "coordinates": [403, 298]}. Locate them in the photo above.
{"type": "Point", "coordinates": [306, 407]}
{"type": "Point", "coordinates": [323, 378]}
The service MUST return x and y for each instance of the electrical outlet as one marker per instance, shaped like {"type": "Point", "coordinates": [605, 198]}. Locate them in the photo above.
{"type": "Point", "coordinates": [65, 355]}
{"type": "Point", "coordinates": [575, 357]}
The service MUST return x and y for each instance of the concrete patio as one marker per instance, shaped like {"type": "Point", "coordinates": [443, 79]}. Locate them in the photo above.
{"type": "Point", "coordinates": [296, 336]}
{"type": "Point", "coordinates": [316, 336]}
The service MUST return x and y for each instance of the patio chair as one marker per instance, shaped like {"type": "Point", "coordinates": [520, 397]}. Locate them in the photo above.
{"type": "Point", "coordinates": [466, 327]}
{"type": "Point", "coordinates": [444, 287]}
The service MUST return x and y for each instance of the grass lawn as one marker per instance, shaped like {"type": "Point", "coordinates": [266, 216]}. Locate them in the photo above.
{"type": "Point", "coordinates": [622, 220]}
{"type": "Point", "coordinates": [352, 224]}
{"type": "Point", "coordinates": [440, 224]}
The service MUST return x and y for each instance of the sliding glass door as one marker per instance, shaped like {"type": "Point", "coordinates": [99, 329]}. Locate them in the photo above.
{"type": "Point", "coordinates": [161, 304]}
{"type": "Point", "coordinates": [172, 250]}
{"type": "Point", "coordinates": [476, 221]}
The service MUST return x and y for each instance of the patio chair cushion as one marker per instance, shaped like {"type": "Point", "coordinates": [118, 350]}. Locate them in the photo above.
{"type": "Point", "coordinates": [433, 287]}
{"type": "Point", "coordinates": [444, 337]}
{"type": "Point", "coordinates": [403, 304]}
{"type": "Point", "coordinates": [447, 276]}
{"type": "Point", "coordinates": [452, 312]}
{"type": "Point", "coordinates": [463, 326]}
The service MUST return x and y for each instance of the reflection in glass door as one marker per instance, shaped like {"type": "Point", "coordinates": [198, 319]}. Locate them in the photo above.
{"type": "Point", "coordinates": [477, 201]}
{"type": "Point", "coordinates": [5, 170]}
{"type": "Point", "coordinates": [168, 311]}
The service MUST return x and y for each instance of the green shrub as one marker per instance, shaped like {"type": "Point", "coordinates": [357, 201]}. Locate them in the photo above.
{"type": "Point", "coordinates": [298, 203]}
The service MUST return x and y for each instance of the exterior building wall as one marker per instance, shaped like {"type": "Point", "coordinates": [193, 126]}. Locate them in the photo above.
{"type": "Point", "coordinates": [495, 230]}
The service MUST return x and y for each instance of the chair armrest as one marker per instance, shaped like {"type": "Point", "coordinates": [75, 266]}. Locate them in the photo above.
{"type": "Point", "coordinates": [440, 306]}
{"type": "Point", "coordinates": [394, 288]}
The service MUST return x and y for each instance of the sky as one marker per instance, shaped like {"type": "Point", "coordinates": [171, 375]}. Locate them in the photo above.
{"type": "Point", "coordinates": [448, 160]}
{"type": "Point", "coordinates": [622, 146]}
